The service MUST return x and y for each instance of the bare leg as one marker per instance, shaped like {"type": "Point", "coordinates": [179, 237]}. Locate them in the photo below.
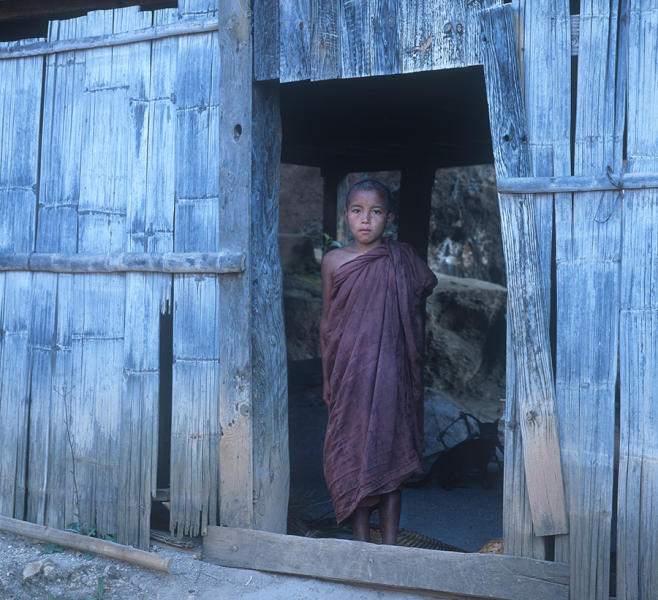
{"type": "Point", "coordinates": [361, 524]}
{"type": "Point", "coordinates": [389, 513]}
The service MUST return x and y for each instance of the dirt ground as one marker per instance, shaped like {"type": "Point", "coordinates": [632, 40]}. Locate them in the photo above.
{"type": "Point", "coordinates": [70, 575]}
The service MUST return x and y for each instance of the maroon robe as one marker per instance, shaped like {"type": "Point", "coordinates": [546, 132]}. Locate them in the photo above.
{"type": "Point", "coordinates": [372, 361]}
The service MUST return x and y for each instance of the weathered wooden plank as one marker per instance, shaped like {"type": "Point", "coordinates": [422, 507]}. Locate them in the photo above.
{"type": "Point", "coordinates": [355, 38]}
{"type": "Point", "coordinates": [196, 317]}
{"type": "Point", "coordinates": [473, 575]}
{"type": "Point", "coordinates": [587, 256]}
{"type": "Point", "coordinates": [294, 40]}
{"type": "Point", "coordinates": [235, 187]}
{"type": "Point", "coordinates": [266, 40]}
{"type": "Point", "coordinates": [578, 183]}
{"type": "Point", "coordinates": [127, 262]}
{"type": "Point", "coordinates": [20, 104]}
{"type": "Point", "coordinates": [271, 464]}
{"type": "Point", "coordinates": [637, 541]}
{"type": "Point", "coordinates": [385, 55]}
{"type": "Point", "coordinates": [529, 324]}
{"type": "Point", "coordinates": [546, 73]}
{"type": "Point", "coordinates": [325, 41]}
{"type": "Point", "coordinates": [190, 26]}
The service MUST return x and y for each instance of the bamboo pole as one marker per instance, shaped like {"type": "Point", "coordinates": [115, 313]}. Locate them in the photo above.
{"type": "Point", "coordinates": [85, 544]}
{"type": "Point", "coordinates": [126, 262]}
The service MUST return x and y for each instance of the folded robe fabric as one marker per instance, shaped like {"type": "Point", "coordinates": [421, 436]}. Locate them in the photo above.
{"type": "Point", "coordinates": [372, 361]}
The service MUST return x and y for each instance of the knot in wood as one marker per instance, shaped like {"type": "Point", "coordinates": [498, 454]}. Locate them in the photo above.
{"type": "Point", "coordinates": [234, 548]}
{"type": "Point", "coordinates": [531, 417]}
{"type": "Point", "coordinates": [447, 28]}
{"type": "Point", "coordinates": [459, 29]}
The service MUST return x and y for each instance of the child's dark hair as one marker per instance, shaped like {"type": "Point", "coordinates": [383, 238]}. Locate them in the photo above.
{"type": "Point", "coordinates": [370, 185]}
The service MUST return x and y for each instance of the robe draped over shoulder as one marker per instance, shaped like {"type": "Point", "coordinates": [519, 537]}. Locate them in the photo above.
{"type": "Point", "coordinates": [372, 364]}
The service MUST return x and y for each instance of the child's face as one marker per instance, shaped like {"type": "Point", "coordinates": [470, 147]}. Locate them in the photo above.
{"type": "Point", "coordinates": [367, 217]}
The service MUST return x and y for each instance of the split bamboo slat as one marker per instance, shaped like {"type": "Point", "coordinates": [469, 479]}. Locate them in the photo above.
{"type": "Point", "coordinates": [195, 427]}
{"type": "Point", "coordinates": [546, 76]}
{"type": "Point", "coordinates": [20, 104]}
{"type": "Point", "coordinates": [533, 375]}
{"type": "Point", "coordinates": [637, 536]}
{"type": "Point", "coordinates": [588, 234]}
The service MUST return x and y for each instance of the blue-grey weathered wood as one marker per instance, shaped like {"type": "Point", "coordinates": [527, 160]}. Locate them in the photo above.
{"type": "Point", "coordinates": [266, 39]}
{"type": "Point", "coordinates": [195, 428]}
{"type": "Point", "coordinates": [271, 464]}
{"type": "Point", "coordinates": [355, 38]}
{"type": "Point", "coordinates": [20, 103]}
{"type": "Point", "coordinates": [295, 40]}
{"type": "Point", "coordinates": [529, 323]}
{"type": "Point", "coordinates": [544, 32]}
{"type": "Point", "coordinates": [235, 154]}
{"type": "Point", "coordinates": [385, 54]}
{"type": "Point", "coordinates": [452, 575]}
{"type": "Point", "coordinates": [325, 41]}
{"type": "Point", "coordinates": [587, 251]}
{"type": "Point", "coordinates": [578, 183]}
{"type": "Point", "coordinates": [190, 26]}
{"type": "Point", "coordinates": [637, 539]}
{"type": "Point", "coordinates": [127, 262]}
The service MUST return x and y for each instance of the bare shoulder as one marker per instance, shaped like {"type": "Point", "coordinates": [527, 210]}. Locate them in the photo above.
{"type": "Point", "coordinates": [334, 259]}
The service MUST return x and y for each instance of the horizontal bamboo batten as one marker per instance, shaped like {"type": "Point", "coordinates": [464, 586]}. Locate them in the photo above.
{"type": "Point", "coordinates": [126, 262]}
{"type": "Point", "coordinates": [157, 32]}
{"type": "Point", "coordinates": [578, 183]}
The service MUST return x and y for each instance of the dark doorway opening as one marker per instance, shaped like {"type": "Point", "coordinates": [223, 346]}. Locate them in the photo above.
{"type": "Point", "coordinates": [407, 126]}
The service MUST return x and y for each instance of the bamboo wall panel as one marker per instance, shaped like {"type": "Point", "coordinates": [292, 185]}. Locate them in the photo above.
{"type": "Point", "coordinates": [547, 90]}
{"type": "Point", "coordinates": [637, 539]}
{"type": "Point", "coordinates": [326, 39]}
{"type": "Point", "coordinates": [195, 429]}
{"type": "Point", "coordinates": [20, 103]}
{"type": "Point", "coordinates": [588, 229]}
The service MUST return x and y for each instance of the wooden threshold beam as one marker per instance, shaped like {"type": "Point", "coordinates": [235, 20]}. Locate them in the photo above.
{"type": "Point", "coordinates": [455, 574]}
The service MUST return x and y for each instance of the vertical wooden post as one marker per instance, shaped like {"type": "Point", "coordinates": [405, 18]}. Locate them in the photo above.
{"type": "Point", "coordinates": [415, 206]}
{"type": "Point", "coordinates": [235, 162]}
{"type": "Point", "coordinates": [546, 53]}
{"type": "Point", "coordinates": [330, 212]}
{"type": "Point", "coordinates": [271, 464]}
{"type": "Point", "coordinates": [529, 325]}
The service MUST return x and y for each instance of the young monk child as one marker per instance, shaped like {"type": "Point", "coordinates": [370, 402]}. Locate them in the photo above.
{"type": "Point", "coordinates": [372, 357]}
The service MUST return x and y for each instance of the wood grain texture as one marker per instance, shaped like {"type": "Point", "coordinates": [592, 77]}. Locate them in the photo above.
{"type": "Point", "coordinates": [271, 464]}
{"type": "Point", "coordinates": [637, 541]}
{"type": "Point", "coordinates": [266, 39]}
{"type": "Point", "coordinates": [195, 429]}
{"type": "Point", "coordinates": [355, 38]}
{"type": "Point", "coordinates": [547, 87]}
{"type": "Point", "coordinates": [527, 310]}
{"type": "Point", "coordinates": [588, 250]}
{"type": "Point", "coordinates": [20, 109]}
{"type": "Point", "coordinates": [325, 40]}
{"type": "Point", "coordinates": [130, 262]}
{"type": "Point", "coordinates": [295, 40]}
{"type": "Point", "coordinates": [235, 194]}
{"type": "Point", "coordinates": [458, 575]}
{"type": "Point", "coordinates": [147, 33]}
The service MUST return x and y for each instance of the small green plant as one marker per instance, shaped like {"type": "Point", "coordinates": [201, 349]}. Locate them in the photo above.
{"type": "Point", "coordinates": [99, 591]}
{"type": "Point", "coordinates": [326, 242]}
{"type": "Point", "coordinates": [50, 548]}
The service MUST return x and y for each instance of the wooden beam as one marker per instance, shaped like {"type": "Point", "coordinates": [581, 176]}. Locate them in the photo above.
{"type": "Point", "coordinates": [58, 9]}
{"type": "Point", "coordinates": [577, 183]}
{"type": "Point", "coordinates": [126, 262]}
{"type": "Point", "coordinates": [529, 322]}
{"type": "Point", "coordinates": [415, 207]}
{"type": "Point", "coordinates": [188, 26]}
{"type": "Point", "coordinates": [85, 543]}
{"type": "Point", "coordinates": [455, 574]}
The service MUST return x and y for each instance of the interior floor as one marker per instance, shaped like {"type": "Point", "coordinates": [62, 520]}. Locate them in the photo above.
{"type": "Point", "coordinates": [466, 517]}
